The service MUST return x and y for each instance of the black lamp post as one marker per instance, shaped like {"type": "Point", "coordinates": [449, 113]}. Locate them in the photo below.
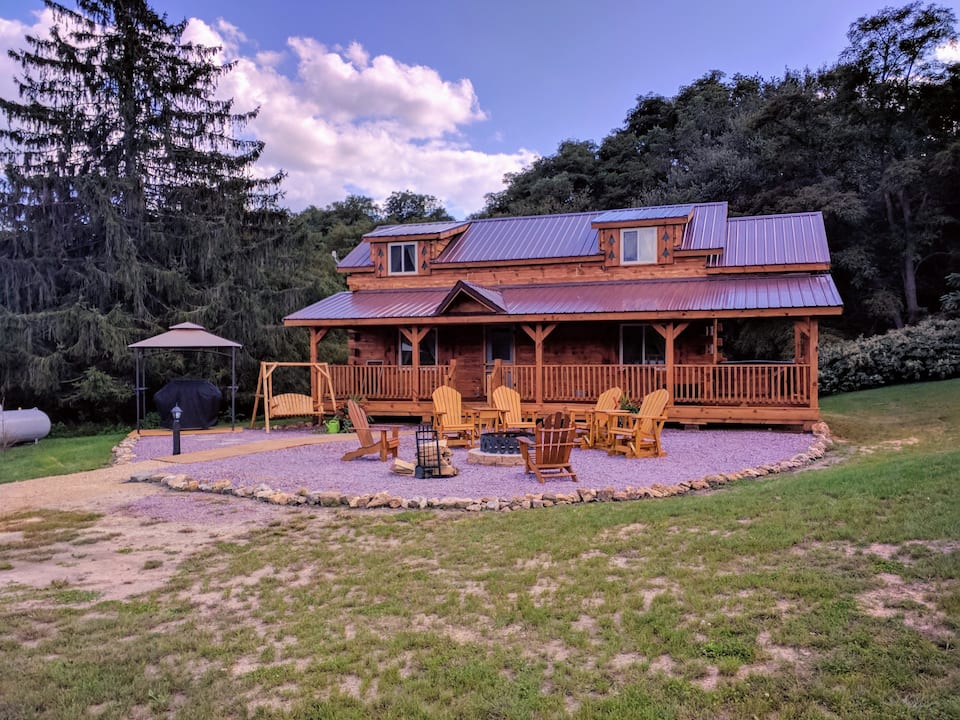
{"type": "Point", "coordinates": [176, 412]}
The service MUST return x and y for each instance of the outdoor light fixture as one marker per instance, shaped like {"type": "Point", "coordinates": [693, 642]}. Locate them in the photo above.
{"type": "Point", "coordinates": [176, 413]}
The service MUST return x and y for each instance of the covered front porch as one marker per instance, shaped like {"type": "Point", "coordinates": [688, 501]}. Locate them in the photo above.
{"type": "Point", "coordinates": [542, 365]}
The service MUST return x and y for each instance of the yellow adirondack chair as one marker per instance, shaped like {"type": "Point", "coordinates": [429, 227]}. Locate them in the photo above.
{"type": "Point", "coordinates": [587, 422]}
{"type": "Point", "coordinates": [370, 444]}
{"type": "Point", "coordinates": [548, 454]}
{"type": "Point", "coordinates": [642, 439]}
{"type": "Point", "coordinates": [459, 426]}
{"type": "Point", "coordinates": [507, 401]}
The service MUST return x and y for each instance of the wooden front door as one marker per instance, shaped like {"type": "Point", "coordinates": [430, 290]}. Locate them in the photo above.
{"type": "Point", "coordinates": [499, 345]}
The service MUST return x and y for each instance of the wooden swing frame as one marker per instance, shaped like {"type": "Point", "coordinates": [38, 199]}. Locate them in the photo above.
{"type": "Point", "coordinates": [293, 404]}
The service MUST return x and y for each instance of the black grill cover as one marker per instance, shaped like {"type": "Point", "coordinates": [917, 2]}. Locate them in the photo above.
{"type": "Point", "coordinates": [199, 400]}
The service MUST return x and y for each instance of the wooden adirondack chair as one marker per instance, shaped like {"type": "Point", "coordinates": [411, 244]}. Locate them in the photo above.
{"type": "Point", "coordinates": [642, 439]}
{"type": "Point", "coordinates": [457, 425]}
{"type": "Point", "coordinates": [373, 439]}
{"type": "Point", "coordinates": [507, 401]}
{"type": "Point", "coordinates": [586, 421]}
{"type": "Point", "coordinates": [548, 454]}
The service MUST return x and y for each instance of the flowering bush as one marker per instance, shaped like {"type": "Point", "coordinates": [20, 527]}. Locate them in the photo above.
{"type": "Point", "coordinates": [929, 350]}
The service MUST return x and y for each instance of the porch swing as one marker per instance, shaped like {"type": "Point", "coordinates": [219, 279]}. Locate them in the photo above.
{"type": "Point", "coordinates": [293, 404]}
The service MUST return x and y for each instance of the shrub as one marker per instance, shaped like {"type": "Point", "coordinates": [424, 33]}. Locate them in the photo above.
{"type": "Point", "coordinates": [929, 350]}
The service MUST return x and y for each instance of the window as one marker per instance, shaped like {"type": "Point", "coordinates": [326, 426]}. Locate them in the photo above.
{"type": "Point", "coordinates": [638, 245]}
{"type": "Point", "coordinates": [428, 349]}
{"type": "Point", "coordinates": [403, 258]}
{"type": "Point", "coordinates": [641, 345]}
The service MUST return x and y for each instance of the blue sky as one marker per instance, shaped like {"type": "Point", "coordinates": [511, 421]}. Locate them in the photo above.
{"type": "Point", "coordinates": [444, 97]}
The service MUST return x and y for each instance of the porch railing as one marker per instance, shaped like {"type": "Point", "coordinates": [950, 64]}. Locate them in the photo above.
{"type": "Point", "coordinates": [585, 383]}
{"type": "Point", "coordinates": [387, 382]}
{"type": "Point", "coordinates": [780, 384]}
{"type": "Point", "coordinates": [757, 384]}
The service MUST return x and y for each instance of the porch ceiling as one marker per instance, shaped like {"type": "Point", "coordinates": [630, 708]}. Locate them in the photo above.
{"type": "Point", "coordinates": [813, 294]}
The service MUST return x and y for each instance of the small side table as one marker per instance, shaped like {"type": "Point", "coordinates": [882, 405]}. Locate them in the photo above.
{"type": "Point", "coordinates": [488, 419]}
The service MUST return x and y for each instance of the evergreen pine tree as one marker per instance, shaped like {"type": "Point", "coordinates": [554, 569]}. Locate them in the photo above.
{"type": "Point", "coordinates": [129, 202]}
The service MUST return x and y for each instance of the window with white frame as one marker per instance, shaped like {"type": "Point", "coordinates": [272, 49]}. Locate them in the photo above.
{"type": "Point", "coordinates": [638, 245]}
{"type": "Point", "coordinates": [403, 258]}
{"type": "Point", "coordinates": [428, 349]}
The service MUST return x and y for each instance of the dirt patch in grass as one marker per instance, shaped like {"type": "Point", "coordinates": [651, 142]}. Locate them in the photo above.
{"type": "Point", "coordinates": [110, 539]}
{"type": "Point", "coordinates": [912, 601]}
{"type": "Point", "coordinates": [888, 445]}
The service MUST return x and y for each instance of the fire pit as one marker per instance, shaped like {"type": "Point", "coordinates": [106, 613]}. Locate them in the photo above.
{"type": "Point", "coordinates": [502, 443]}
{"type": "Point", "coordinates": [498, 448]}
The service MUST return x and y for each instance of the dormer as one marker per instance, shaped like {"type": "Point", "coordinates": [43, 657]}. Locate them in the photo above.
{"type": "Point", "coordinates": [641, 236]}
{"type": "Point", "coordinates": [399, 250]}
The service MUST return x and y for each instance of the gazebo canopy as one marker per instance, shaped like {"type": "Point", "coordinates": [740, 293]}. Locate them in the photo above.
{"type": "Point", "coordinates": [185, 336]}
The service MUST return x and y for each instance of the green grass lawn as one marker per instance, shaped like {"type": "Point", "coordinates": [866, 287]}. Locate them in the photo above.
{"type": "Point", "coordinates": [56, 456]}
{"type": "Point", "coordinates": [828, 593]}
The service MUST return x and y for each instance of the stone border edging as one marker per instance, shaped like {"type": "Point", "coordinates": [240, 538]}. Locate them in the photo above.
{"type": "Point", "coordinates": [331, 498]}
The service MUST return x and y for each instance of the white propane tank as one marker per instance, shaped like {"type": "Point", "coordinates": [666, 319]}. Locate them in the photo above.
{"type": "Point", "coordinates": [20, 426]}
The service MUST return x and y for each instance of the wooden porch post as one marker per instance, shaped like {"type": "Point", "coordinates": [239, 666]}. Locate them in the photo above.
{"type": "Point", "coordinates": [415, 334]}
{"type": "Point", "coordinates": [669, 331]}
{"type": "Point", "coordinates": [538, 333]}
{"type": "Point", "coordinates": [494, 379]}
{"type": "Point", "coordinates": [805, 341]}
{"type": "Point", "coordinates": [813, 355]}
{"type": "Point", "coordinates": [316, 335]}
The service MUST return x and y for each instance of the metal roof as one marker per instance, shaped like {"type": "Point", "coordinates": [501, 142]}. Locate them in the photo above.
{"type": "Point", "coordinates": [493, 296]}
{"type": "Point", "coordinates": [428, 228]}
{"type": "Point", "coordinates": [357, 258]}
{"type": "Point", "coordinates": [491, 299]}
{"type": "Point", "coordinates": [713, 293]}
{"type": "Point", "coordinates": [524, 238]}
{"type": "Point", "coordinates": [185, 335]}
{"type": "Point", "coordinates": [707, 228]}
{"type": "Point", "coordinates": [796, 239]}
{"type": "Point", "coordinates": [659, 212]}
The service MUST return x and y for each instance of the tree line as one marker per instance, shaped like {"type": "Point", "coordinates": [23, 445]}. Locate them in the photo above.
{"type": "Point", "coordinates": [129, 203]}
{"type": "Point", "coordinates": [871, 141]}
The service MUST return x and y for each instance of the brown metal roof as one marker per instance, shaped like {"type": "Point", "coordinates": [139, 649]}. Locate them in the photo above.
{"type": "Point", "coordinates": [185, 335]}
{"type": "Point", "coordinates": [710, 294]}
{"type": "Point", "coordinates": [797, 239]}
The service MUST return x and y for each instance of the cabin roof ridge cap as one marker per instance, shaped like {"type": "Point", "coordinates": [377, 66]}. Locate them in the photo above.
{"type": "Point", "coordinates": [798, 213]}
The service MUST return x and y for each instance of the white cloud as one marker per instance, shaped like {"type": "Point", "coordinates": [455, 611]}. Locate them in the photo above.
{"type": "Point", "coordinates": [949, 53]}
{"type": "Point", "coordinates": [12, 34]}
{"type": "Point", "coordinates": [345, 122]}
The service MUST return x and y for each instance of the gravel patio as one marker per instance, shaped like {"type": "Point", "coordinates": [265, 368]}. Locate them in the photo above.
{"type": "Point", "coordinates": [691, 455]}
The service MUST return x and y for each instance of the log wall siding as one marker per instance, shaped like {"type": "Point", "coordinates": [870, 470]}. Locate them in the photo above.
{"type": "Point", "coordinates": [522, 274]}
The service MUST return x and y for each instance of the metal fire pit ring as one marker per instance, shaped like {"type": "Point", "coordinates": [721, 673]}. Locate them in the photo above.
{"type": "Point", "coordinates": [502, 443]}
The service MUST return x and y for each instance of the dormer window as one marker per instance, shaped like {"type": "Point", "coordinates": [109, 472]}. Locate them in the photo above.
{"type": "Point", "coordinates": [403, 258]}
{"type": "Point", "coordinates": [638, 245]}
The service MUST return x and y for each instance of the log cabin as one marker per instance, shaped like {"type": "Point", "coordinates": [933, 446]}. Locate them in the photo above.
{"type": "Point", "coordinates": [562, 307]}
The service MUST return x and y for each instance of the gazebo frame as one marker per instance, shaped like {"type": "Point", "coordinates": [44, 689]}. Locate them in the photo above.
{"type": "Point", "coordinates": [185, 336]}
